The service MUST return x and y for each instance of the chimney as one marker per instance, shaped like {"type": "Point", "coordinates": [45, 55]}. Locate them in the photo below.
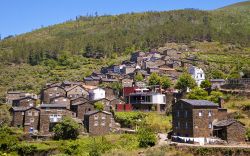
{"type": "Point", "coordinates": [221, 102]}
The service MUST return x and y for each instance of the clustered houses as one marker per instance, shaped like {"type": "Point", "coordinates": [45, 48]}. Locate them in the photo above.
{"type": "Point", "coordinates": [72, 99]}
{"type": "Point", "coordinates": [202, 121]}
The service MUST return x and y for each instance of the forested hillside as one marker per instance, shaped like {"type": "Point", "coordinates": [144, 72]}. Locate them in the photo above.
{"type": "Point", "coordinates": [109, 36]}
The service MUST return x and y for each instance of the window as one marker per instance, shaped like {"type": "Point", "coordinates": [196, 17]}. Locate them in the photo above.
{"type": "Point", "coordinates": [56, 100]}
{"type": "Point", "coordinates": [31, 104]}
{"type": "Point", "coordinates": [32, 120]}
{"type": "Point", "coordinates": [186, 125]}
{"type": "Point", "coordinates": [178, 114]}
{"type": "Point", "coordinates": [210, 125]}
{"type": "Point", "coordinates": [29, 113]}
{"type": "Point", "coordinates": [178, 125]}
{"type": "Point", "coordinates": [186, 113]}
{"type": "Point", "coordinates": [64, 99]}
{"type": "Point", "coordinates": [200, 113]}
{"type": "Point", "coordinates": [96, 117]}
{"type": "Point", "coordinates": [57, 94]}
{"type": "Point", "coordinates": [47, 109]}
{"type": "Point", "coordinates": [22, 113]}
{"type": "Point", "coordinates": [103, 123]}
{"type": "Point", "coordinates": [50, 94]}
{"type": "Point", "coordinates": [103, 117]}
{"type": "Point", "coordinates": [96, 123]}
{"type": "Point", "coordinates": [209, 113]}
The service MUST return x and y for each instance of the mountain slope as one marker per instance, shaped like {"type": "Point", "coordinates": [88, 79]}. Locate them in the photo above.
{"type": "Point", "coordinates": [237, 6]}
{"type": "Point", "coordinates": [123, 34]}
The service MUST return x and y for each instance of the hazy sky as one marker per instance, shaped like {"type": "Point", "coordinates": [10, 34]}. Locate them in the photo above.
{"type": "Point", "coordinates": [20, 16]}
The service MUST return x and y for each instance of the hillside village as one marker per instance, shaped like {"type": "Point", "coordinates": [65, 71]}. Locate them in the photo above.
{"type": "Point", "coordinates": [126, 88]}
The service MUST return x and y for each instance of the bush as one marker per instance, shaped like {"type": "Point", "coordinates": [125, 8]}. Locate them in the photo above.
{"type": "Point", "coordinates": [198, 94]}
{"type": "Point", "coordinates": [66, 129]}
{"type": "Point", "coordinates": [146, 138]}
{"type": "Point", "coordinates": [248, 134]}
{"type": "Point", "coordinates": [26, 149]}
{"type": "Point", "coordinates": [185, 81]}
{"type": "Point", "coordinates": [8, 141]}
{"type": "Point", "coordinates": [99, 106]}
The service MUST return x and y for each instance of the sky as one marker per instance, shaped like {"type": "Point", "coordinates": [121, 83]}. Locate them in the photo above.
{"type": "Point", "coordinates": [21, 16]}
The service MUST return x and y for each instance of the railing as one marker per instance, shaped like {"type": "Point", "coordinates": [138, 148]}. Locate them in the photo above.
{"type": "Point", "coordinates": [244, 81]}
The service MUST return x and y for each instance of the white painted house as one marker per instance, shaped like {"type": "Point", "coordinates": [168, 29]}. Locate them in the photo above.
{"type": "Point", "coordinates": [197, 74]}
{"type": "Point", "coordinates": [96, 94]}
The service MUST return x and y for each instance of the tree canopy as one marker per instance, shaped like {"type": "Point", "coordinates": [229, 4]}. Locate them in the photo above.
{"type": "Point", "coordinates": [185, 81]}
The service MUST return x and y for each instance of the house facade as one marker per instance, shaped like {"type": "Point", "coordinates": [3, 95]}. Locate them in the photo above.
{"type": "Point", "coordinates": [76, 91]}
{"type": "Point", "coordinates": [24, 102]}
{"type": "Point", "coordinates": [197, 120]}
{"type": "Point", "coordinates": [52, 92]}
{"type": "Point", "coordinates": [97, 122]}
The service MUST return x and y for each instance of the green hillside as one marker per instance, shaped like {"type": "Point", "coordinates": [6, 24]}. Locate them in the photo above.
{"type": "Point", "coordinates": [122, 34]}
{"type": "Point", "coordinates": [239, 6]}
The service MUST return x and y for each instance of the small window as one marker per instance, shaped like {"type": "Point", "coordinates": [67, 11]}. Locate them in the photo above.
{"type": "Point", "coordinates": [186, 125]}
{"type": "Point", "coordinates": [29, 113]}
{"type": "Point", "coordinates": [47, 109]}
{"type": "Point", "coordinates": [209, 113]}
{"type": "Point", "coordinates": [200, 113]}
{"type": "Point", "coordinates": [50, 94]}
{"type": "Point", "coordinates": [178, 125]}
{"type": "Point", "coordinates": [31, 104]}
{"type": "Point", "coordinates": [96, 117]}
{"type": "Point", "coordinates": [57, 94]}
{"type": "Point", "coordinates": [64, 99]}
{"type": "Point", "coordinates": [186, 113]}
{"type": "Point", "coordinates": [210, 125]}
{"type": "Point", "coordinates": [32, 120]}
{"type": "Point", "coordinates": [96, 123]}
{"type": "Point", "coordinates": [178, 114]}
{"type": "Point", "coordinates": [22, 113]}
{"type": "Point", "coordinates": [56, 100]}
{"type": "Point", "coordinates": [36, 113]}
{"type": "Point", "coordinates": [103, 123]}
{"type": "Point", "coordinates": [103, 117]}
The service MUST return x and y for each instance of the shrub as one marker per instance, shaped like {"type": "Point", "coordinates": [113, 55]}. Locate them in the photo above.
{"type": "Point", "coordinates": [66, 129]}
{"type": "Point", "coordinates": [198, 94]}
{"type": "Point", "coordinates": [8, 141]}
{"type": "Point", "coordinates": [99, 106]}
{"type": "Point", "coordinates": [185, 81]}
{"type": "Point", "coordinates": [146, 137]}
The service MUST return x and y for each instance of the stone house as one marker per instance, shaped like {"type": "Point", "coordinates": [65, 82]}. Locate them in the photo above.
{"type": "Point", "coordinates": [52, 92]}
{"type": "Point", "coordinates": [127, 82]}
{"type": "Point", "coordinates": [81, 108]}
{"type": "Point", "coordinates": [60, 100]}
{"type": "Point", "coordinates": [26, 117]}
{"type": "Point", "coordinates": [17, 114]}
{"type": "Point", "coordinates": [229, 130]}
{"type": "Point", "coordinates": [97, 122]}
{"type": "Point", "coordinates": [110, 93]}
{"type": "Point", "coordinates": [24, 102]}
{"type": "Point", "coordinates": [217, 83]}
{"type": "Point", "coordinates": [105, 102]}
{"type": "Point", "coordinates": [92, 81]}
{"type": "Point", "coordinates": [51, 114]}
{"type": "Point", "coordinates": [128, 69]}
{"type": "Point", "coordinates": [151, 70]}
{"type": "Point", "coordinates": [76, 91]}
{"type": "Point", "coordinates": [14, 95]}
{"type": "Point", "coordinates": [107, 80]}
{"type": "Point", "coordinates": [201, 120]}
{"type": "Point", "coordinates": [77, 100]}
{"type": "Point", "coordinates": [31, 120]}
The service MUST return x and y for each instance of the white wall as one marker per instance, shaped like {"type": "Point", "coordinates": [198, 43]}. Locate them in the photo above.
{"type": "Point", "coordinates": [197, 74]}
{"type": "Point", "coordinates": [96, 94]}
{"type": "Point", "coordinates": [159, 99]}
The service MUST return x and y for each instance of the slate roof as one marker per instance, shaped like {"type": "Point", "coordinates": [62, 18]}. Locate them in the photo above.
{"type": "Point", "coordinates": [199, 102]}
{"type": "Point", "coordinates": [53, 105]}
{"type": "Point", "coordinates": [20, 108]}
{"type": "Point", "coordinates": [224, 123]}
{"type": "Point", "coordinates": [96, 111]}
